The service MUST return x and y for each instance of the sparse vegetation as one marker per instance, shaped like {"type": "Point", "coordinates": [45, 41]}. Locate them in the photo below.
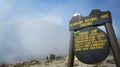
{"type": "Point", "coordinates": [60, 62]}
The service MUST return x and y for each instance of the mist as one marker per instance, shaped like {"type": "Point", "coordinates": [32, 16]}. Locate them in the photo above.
{"type": "Point", "coordinates": [33, 29]}
{"type": "Point", "coordinates": [35, 37]}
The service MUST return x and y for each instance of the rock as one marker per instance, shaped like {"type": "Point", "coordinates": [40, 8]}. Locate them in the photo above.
{"type": "Point", "coordinates": [59, 57]}
{"type": "Point", "coordinates": [103, 66]}
{"type": "Point", "coordinates": [34, 62]}
{"type": "Point", "coordinates": [75, 64]}
{"type": "Point", "coordinates": [52, 56]}
{"type": "Point", "coordinates": [110, 61]}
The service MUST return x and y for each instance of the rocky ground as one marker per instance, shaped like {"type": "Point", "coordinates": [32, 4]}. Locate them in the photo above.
{"type": "Point", "coordinates": [61, 62]}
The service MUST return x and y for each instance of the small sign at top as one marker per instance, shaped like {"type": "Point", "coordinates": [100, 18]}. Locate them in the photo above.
{"type": "Point", "coordinates": [78, 21]}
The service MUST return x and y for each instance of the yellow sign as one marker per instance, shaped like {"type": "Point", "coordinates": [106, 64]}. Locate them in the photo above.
{"type": "Point", "coordinates": [90, 21]}
{"type": "Point", "coordinates": [90, 40]}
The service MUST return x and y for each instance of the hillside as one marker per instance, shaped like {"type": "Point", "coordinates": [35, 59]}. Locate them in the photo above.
{"type": "Point", "coordinates": [61, 62]}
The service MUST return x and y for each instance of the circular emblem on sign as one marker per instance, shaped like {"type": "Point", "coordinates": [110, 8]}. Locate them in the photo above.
{"type": "Point", "coordinates": [91, 45]}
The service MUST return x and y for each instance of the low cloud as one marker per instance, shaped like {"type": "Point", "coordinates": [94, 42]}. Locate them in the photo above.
{"type": "Point", "coordinates": [33, 37]}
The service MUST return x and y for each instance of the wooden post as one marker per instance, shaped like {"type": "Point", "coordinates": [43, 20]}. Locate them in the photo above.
{"type": "Point", "coordinates": [113, 43]}
{"type": "Point", "coordinates": [71, 53]}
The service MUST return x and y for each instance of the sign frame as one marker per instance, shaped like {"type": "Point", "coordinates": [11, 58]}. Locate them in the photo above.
{"type": "Point", "coordinates": [111, 36]}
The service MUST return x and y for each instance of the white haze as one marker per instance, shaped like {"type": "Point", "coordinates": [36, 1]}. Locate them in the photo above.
{"type": "Point", "coordinates": [32, 37]}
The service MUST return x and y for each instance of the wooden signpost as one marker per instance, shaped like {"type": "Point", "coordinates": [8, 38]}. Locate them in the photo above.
{"type": "Point", "coordinates": [90, 44]}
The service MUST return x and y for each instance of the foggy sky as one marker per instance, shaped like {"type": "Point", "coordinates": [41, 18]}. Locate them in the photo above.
{"type": "Point", "coordinates": [33, 37]}
{"type": "Point", "coordinates": [31, 29]}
